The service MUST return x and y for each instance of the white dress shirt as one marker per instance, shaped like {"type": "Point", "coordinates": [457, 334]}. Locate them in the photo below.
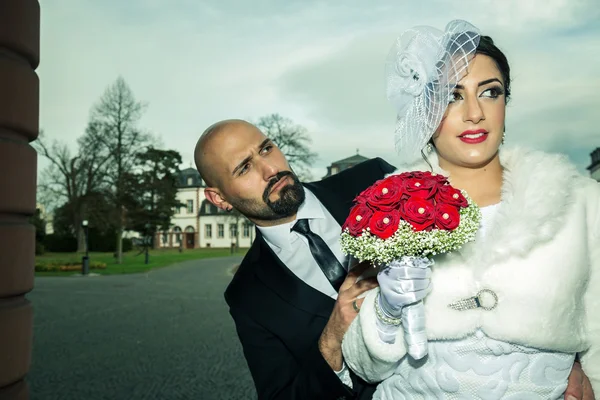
{"type": "Point", "coordinates": [293, 250]}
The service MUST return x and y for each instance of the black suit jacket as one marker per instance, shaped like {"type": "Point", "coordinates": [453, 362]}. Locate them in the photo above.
{"type": "Point", "coordinates": [279, 318]}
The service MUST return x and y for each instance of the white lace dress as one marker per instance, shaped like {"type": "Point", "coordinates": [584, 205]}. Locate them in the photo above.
{"type": "Point", "coordinates": [479, 367]}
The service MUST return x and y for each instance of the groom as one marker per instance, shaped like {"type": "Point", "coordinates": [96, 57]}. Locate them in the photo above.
{"type": "Point", "coordinates": [292, 298]}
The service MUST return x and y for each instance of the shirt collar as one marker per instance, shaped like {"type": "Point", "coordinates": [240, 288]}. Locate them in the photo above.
{"type": "Point", "coordinates": [280, 235]}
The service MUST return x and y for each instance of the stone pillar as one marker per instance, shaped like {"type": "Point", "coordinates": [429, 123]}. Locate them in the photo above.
{"type": "Point", "coordinates": [19, 109]}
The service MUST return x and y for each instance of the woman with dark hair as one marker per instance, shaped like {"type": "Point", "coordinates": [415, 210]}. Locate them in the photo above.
{"type": "Point", "coordinates": [506, 315]}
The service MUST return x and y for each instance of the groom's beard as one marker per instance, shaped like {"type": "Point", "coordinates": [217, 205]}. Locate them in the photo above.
{"type": "Point", "coordinates": [291, 196]}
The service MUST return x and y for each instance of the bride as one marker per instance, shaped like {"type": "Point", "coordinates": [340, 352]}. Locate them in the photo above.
{"type": "Point", "coordinates": [537, 254]}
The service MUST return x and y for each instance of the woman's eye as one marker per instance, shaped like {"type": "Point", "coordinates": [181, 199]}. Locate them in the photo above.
{"type": "Point", "coordinates": [455, 96]}
{"type": "Point", "coordinates": [492, 92]}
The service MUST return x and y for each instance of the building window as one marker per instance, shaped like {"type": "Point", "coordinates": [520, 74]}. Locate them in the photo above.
{"type": "Point", "coordinates": [232, 230]}
{"type": "Point", "coordinates": [246, 232]}
{"type": "Point", "coordinates": [190, 181]}
{"type": "Point", "coordinates": [190, 206]}
{"type": "Point", "coordinates": [208, 231]}
{"type": "Point", "coordinates": [207, 208]}
{"type": "Point", "coordinates": [334, 170]}
{"type": "Point", "coordinates": [177, 231]}
{"type": "Point", "coordinates": [221, 230]}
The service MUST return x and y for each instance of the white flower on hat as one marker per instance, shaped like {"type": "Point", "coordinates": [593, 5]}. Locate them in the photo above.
{"type": "Point", "coordinates": [411, 69]}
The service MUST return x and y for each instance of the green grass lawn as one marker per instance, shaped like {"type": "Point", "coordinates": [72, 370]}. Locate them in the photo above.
{"type": "Point", "coordinates": [132, 261]}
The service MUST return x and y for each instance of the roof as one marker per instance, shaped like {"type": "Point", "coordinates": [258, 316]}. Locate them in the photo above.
{"type": "Point", "coordinates": [355, 159]}
{"type": "Point", "coordinates": [193, 173]}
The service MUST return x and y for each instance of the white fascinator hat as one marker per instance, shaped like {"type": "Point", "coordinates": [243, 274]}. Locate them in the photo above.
{"type": "Point", "coordinates": [422, 70]}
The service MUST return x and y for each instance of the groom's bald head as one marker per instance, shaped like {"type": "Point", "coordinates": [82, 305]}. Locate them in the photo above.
{"type": "Point", "coordinates": [209, 148]}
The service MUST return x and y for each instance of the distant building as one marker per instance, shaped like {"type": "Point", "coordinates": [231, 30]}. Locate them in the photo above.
{"type": "Point", "coordinates": [47, 218]}
{"type": "Point", "coordinates": [594, 167]}
{"type": "Point", "coordinates": [339, 166]}
{"type": "Point", "coordinates": [198, 223]}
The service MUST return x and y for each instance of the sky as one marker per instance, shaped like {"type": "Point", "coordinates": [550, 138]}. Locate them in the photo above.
{"type": "Point", "coordinates": [319, 63]}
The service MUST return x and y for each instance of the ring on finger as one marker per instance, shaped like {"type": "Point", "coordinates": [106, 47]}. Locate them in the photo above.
{"type": "Point", "coordinates": [355, 306]}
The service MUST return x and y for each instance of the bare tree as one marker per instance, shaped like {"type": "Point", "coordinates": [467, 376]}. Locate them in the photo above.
{"type": "Point", "coordinates": [70, 179]}
{"type": "Point", "coordinates": [292, 139]}
{"type": "Point", "coordinates": [114, 127]}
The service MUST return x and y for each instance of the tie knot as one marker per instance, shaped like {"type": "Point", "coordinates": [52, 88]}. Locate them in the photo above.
{"type": "Point", "coordinates": [301, 226]}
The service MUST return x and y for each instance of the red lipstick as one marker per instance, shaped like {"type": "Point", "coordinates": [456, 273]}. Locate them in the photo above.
{"type": "Point", "coordinates": [474, 136]}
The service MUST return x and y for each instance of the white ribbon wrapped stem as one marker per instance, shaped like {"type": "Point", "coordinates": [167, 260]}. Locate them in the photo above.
{"type": "Point", "coordinates": [415, 333]}
{"type": "Point", "coordinates": [413, 319]}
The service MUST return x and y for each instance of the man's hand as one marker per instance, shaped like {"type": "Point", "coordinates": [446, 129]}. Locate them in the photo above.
{"type": "Point", "coordinates": [579, 386]}
{"type": "Point", "coordinates": [330, 342]}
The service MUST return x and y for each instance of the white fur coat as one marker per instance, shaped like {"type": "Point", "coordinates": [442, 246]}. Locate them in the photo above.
{"type": "Point", "coordinates": [541, 256]}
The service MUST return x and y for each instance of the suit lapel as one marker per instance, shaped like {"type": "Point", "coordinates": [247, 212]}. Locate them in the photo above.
{"type": "Point", "coordinates": [338, 207]}
{"type": "Point", "coordinates": [273, 273]}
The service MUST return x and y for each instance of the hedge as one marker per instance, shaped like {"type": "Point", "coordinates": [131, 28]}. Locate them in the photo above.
{"type": "Point", "coordinates": [56, 266]}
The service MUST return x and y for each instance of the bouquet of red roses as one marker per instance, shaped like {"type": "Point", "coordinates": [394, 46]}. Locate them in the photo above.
{"type": "Point", "coordinates": [412, 216]}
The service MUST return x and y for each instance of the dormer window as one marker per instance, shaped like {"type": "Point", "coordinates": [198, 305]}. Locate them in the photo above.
{"type": "Point", "coordinates": [190, 181]}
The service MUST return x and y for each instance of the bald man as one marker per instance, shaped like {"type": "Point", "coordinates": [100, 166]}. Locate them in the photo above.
{"type": "Point", "coordinates": [290, 312]}
{"type": "Point", "coordinates": [289, 317]}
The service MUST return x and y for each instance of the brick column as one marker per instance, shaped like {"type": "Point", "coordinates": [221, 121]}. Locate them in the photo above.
{"type": "Point", "coordinates": [19, 97]}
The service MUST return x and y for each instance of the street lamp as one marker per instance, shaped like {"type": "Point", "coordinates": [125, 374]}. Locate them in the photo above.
{"type": "Point", "coordinates": [85, 262]}
{"type": "Point", "coordinates": [147, 240]}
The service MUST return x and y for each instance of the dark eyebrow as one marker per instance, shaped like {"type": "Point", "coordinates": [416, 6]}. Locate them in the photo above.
{"type": "Point", "coordinates": [461, 87]}
{"type": "Point", "coordinates": [247, 159]}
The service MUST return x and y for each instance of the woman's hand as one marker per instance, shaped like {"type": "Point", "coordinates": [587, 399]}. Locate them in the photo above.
{"type": "Point", "coordinates": [403, 282]}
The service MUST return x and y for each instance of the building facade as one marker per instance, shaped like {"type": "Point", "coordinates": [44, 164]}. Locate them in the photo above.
{"type": "Point", "coordinates": [200, 224]}
{"type": "Point", "coordinates": [594, 167]}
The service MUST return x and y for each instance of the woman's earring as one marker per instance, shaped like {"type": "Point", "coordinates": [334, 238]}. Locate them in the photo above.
{"type": "Point", "coordinates": [503, 137]}
{"type": "Point", "coordinates": [428, 148]}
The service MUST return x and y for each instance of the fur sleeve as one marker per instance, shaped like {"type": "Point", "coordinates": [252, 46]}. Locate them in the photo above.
{"type": "Point", "coordinates": [364, 352]}
{"type": "Point", "coordinates": [590, 360]}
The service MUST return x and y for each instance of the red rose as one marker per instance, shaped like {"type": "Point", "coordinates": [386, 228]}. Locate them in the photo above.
{"type": "Point", "coordinates": [419, 212]}
{"type": "Point", "coordinates": [447, 216]}
{"type": "Point", "coordinates": [421, 187]}
{"type": "Point", "coordinates": [358, 219]}
{"type": "Point", "coordinates": [447, 194]}
{"type": "Point", "coordinates": [384, 224]}
{"type": "Point", "coordinates": [404, 175]}
{"type": "Point", "coordinates": [364, 195]}
{"type": "Point", "coordinates": [385, 195]}
{"type": "Point", "coordinates": [431, 176]}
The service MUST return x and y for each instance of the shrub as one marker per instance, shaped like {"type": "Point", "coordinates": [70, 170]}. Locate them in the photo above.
{"type": "Point", "coordinates": [39, 248]}
{"type": "Point", "coordinates": [56, 266]}
{"type": "Point", "coordinates": [60, 244]}
{"type": "Point", "coordinates": [106, 242]}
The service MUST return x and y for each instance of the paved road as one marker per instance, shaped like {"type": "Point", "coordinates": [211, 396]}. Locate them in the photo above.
{"type": "Point", "coordinates": [162, 335]}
